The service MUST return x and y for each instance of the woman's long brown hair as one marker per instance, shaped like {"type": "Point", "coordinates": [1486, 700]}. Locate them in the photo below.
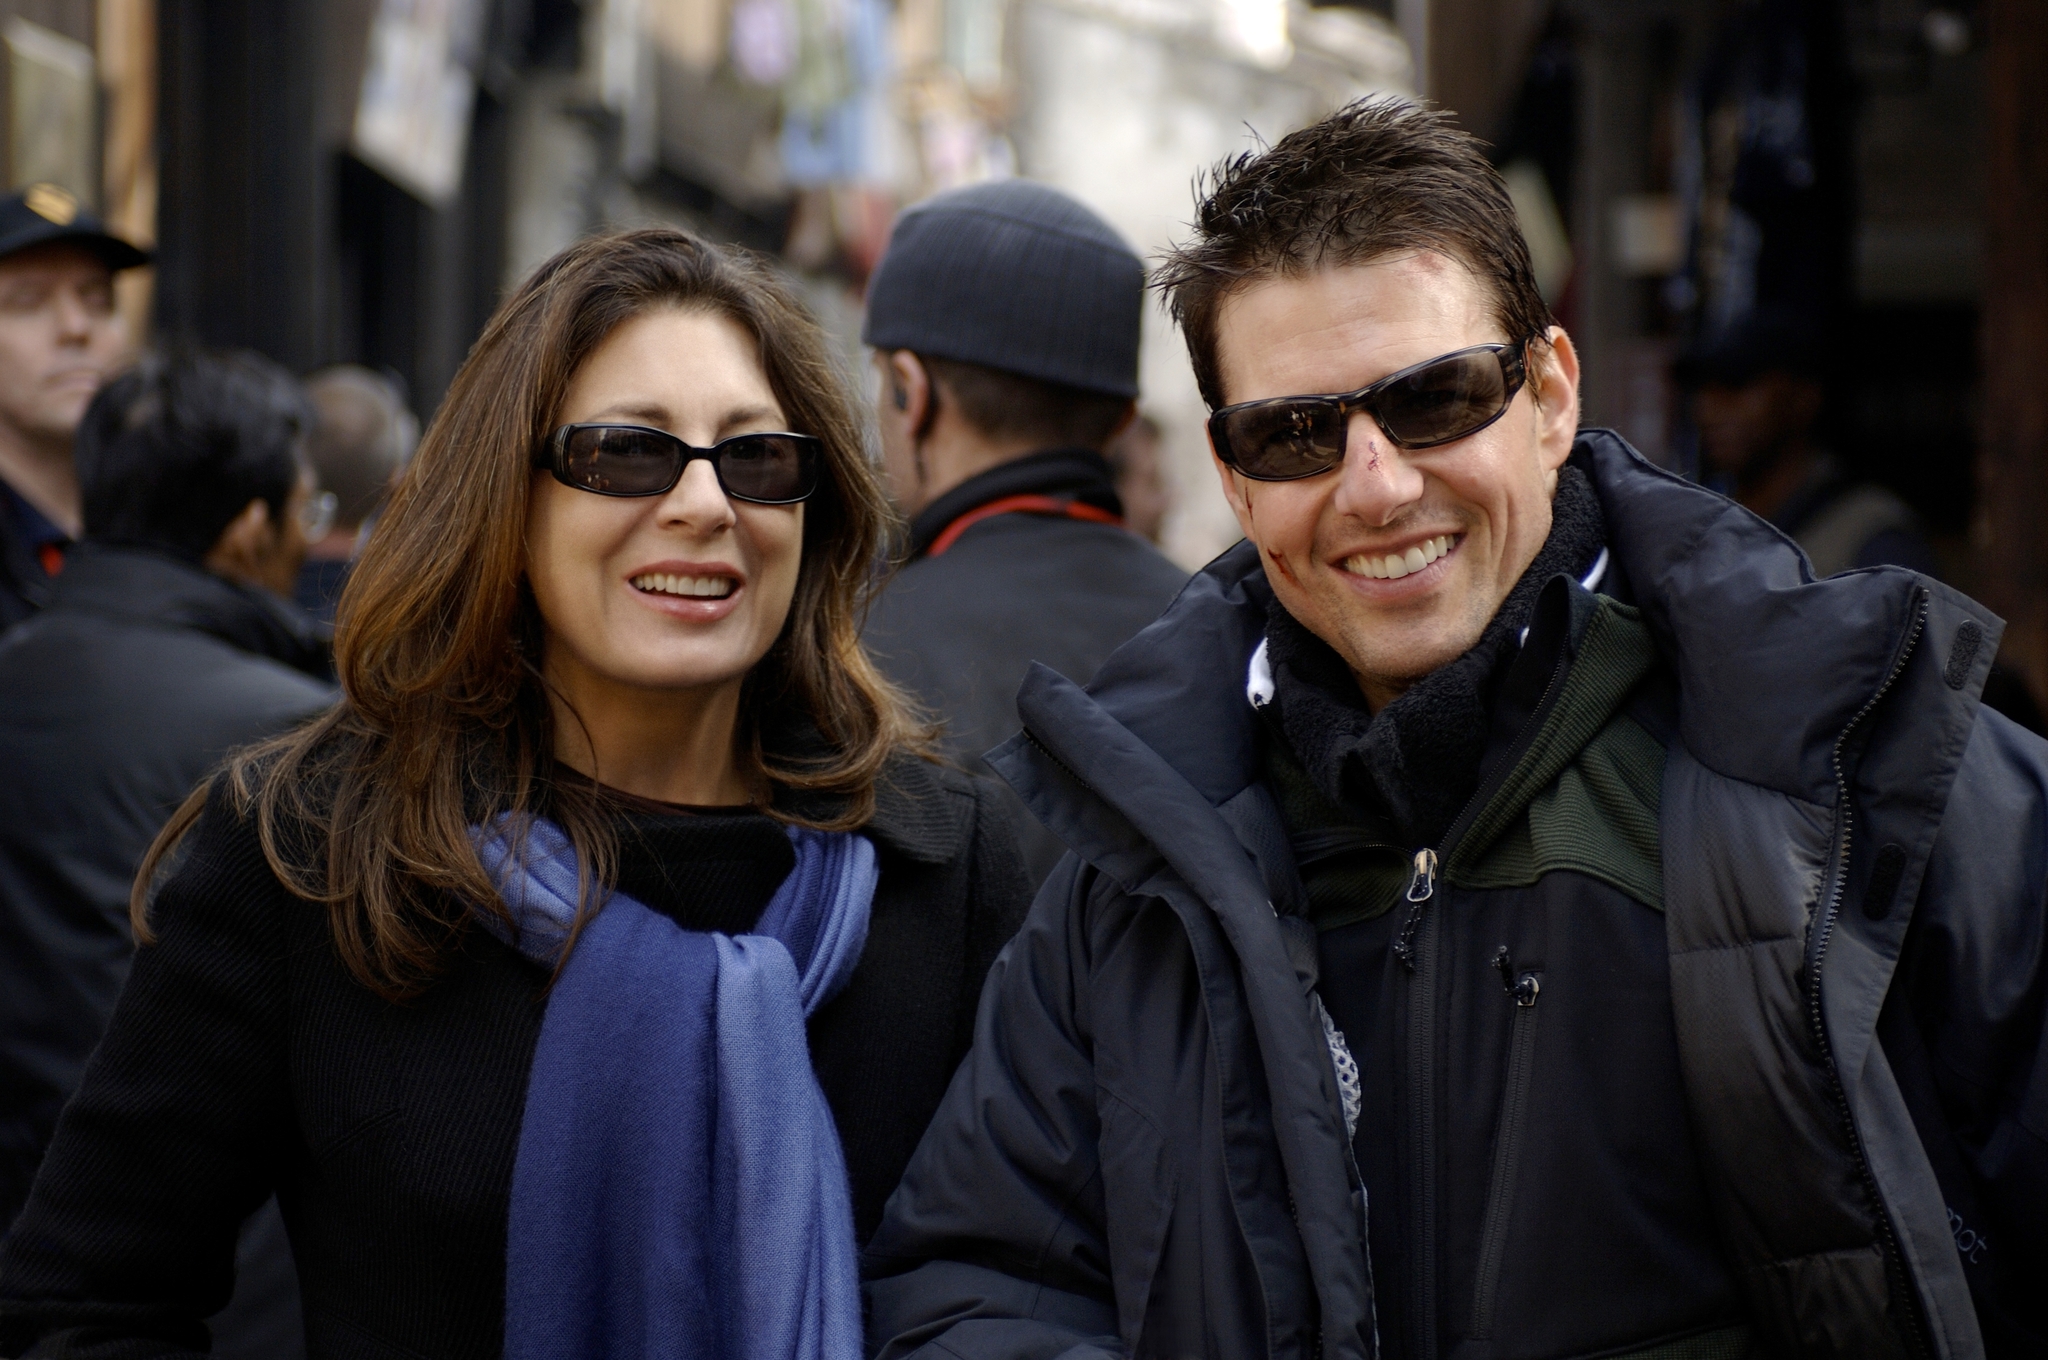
{"type": "Point", "coordinates": [444, 723]}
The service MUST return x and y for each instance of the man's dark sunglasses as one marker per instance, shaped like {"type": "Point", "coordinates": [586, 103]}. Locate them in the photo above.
{"type": "Point", "coordinates": [1425, 404]}
{"type": "Point", "coordinates": [632, 460]}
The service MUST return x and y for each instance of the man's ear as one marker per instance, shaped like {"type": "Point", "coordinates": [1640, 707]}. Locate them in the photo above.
{"type": "Point", "coordinates": [1554, 387]}
{"type": "Point", "coordinates": [244, 544]}
{"type": "Point", "coordinates": [909, 391]}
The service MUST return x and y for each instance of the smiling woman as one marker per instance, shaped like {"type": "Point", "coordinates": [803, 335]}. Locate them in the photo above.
{"type": "Point", "coordinates": [591, 971]}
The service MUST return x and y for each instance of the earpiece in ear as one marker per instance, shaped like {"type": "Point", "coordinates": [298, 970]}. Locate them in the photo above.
{"type": "Point", "coordinates": [899, 397]}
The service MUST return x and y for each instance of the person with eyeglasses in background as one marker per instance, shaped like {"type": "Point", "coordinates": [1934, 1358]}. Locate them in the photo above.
{"type": "Point", "coordinates": [581, 983]}
{"type": "Point", "coordinates": [363, 433]}
{"type": "Point", "coordinates": [1516, 910]}
{"type": "Point", "coordinates": [169, 641]}
{"type": "Point", "coordinates": [60, 338]}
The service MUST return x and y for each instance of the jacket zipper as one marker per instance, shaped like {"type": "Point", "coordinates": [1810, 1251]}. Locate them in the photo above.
{"type": "Point", "coordinates": [1417, 946]}
{"type": "Point", "coordinates": [1823, 931]}
{"type": "Point", "coordinates": [1523, 989]}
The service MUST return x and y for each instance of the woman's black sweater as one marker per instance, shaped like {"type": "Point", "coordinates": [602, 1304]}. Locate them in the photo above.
{"type": "Point", "coordinates": [243, 1059]}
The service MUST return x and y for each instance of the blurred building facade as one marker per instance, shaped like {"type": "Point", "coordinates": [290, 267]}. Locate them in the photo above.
{"type": "Point", "coordinates": [361, 180]}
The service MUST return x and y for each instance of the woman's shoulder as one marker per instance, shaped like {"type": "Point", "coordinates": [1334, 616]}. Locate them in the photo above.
{"type": "Point", "coordinates": [926, 811]}
{"type": "Point", "coordinates": [260, 807]}
{"type": "Point", "coordinates": [218, 876]}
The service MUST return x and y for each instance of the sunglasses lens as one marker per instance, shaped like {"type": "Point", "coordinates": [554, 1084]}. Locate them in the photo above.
{"type": "Point", "coordinates": [615, 460]}
{"type": "Point", "coordinates": [1280, 440]}
{"type": "Point", "coordinates": [1445, 401]}
{"type": "Point", "coordinates": [775, 468]}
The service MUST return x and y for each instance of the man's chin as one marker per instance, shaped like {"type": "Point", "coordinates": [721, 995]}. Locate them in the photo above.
{"type": "Point", "coordinates": [1397, 656]}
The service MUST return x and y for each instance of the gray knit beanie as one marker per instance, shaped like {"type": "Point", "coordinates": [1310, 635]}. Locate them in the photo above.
{"type": "Point", "coordinates": [1014, 276]}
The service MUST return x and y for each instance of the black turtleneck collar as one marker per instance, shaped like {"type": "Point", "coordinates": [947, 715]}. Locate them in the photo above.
{"type": "Point", "coordinates": [1075, 474]}
{"type": "Point", "coordinates": [1418, 761]}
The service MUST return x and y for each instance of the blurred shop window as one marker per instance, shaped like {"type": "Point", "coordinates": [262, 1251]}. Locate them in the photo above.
{"type": "Point", "coordinates": [419, 84]}
{"type": "Point", "coordinates": [53, 111]}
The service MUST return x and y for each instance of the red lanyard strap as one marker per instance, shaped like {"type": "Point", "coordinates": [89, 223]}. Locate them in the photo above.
{"type": "Point", "coordinates": [1025, 505]}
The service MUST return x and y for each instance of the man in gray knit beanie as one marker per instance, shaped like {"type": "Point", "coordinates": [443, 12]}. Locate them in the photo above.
{"type": "Point", "coordinates": [1004, 319]}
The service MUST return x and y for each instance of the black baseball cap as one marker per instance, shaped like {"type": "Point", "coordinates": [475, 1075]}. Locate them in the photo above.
{"type": "Point", "coordinates": [44, 213]}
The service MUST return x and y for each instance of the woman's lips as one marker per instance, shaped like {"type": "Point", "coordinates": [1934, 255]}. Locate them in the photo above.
{"type": "Point", "coordinates": [712, 587]}
{"type": "Point", "coordinates": [693, 596]}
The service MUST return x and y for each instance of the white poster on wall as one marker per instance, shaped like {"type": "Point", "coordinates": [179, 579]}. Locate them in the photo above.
{"type": "Point", "coordinates": [419, 86]}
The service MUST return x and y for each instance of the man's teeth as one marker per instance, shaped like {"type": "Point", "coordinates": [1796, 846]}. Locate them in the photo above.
{"type": "Point", "coordinates": [711, 587]}
{"type": "Point", "coordinates": [1394, 566]}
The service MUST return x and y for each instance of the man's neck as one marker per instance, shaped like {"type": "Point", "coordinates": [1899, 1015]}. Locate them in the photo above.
{"type": "Point", "coordinates": [41, 472]}
{"type": "Point", "coordinates": [956, 452]}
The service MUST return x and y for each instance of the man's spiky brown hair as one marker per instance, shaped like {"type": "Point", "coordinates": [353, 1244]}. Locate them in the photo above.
{"type": "Point", "coordinates": [1378, 175]}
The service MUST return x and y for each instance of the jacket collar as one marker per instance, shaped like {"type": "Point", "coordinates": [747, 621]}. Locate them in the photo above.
{"type": "Point", "coordinates": [161, 589]}
{"type": "Point", "coordinates": [1771, 664]}
{"type": "Point", "coordinates": [1076, 473]}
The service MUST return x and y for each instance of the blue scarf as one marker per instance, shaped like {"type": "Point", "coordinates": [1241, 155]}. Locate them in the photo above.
{"type": "Point", "coordinates": [679, 1190]}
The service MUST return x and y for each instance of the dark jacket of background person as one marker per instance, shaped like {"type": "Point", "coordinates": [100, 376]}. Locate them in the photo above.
{"type": "Point", "coordinates": [1146, 1151]}
{"type": "Point", "coordinates": [29, 546]}
{"type": "Point", "coordinates": [388, 1131]}
{"type": "Point", "coordinates": [960, 629]}
{"type": "Point", "coordinates": [165, 646]}
{"type": "Point", "coordinates": [114, 703]}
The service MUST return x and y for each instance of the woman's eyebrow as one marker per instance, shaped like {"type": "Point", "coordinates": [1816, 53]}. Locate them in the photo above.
{"type": "Point", "coordinates": [747, 415]}
{"type": "Point", "coordinates": [645, 414]}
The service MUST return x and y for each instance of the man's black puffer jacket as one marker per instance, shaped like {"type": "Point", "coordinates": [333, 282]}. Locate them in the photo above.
{"type": "Point", "coordinates": [1854, 863]}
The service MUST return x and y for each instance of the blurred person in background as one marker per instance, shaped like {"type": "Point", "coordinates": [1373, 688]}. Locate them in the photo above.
{"type": "Point", "coordinates": [1005, 319]}
{"type": "Point", "coordinates": [1757, 401]}
{"type": "Point", "coordinates": [581, 983]}
{"type": "Point", "coordinates": [59, 339]}
{"type": "Point", "coordinates": [168, 642]}
{"type": "Point", "coordinates": [1141, 478]}
{"type": "Point", "coordinates": [362, 435]}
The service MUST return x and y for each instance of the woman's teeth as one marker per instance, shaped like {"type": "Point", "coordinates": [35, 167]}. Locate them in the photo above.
{"type": "Point", "coordinates": [1394, 566]}
{"type": "Point", "coordinates": [707, 587]}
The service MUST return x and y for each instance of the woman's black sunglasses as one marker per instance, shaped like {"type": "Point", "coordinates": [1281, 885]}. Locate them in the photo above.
{"type": "Point", "coordinates": [632, 460]}
{"type": "Point", "coordinates": [1425, 404]}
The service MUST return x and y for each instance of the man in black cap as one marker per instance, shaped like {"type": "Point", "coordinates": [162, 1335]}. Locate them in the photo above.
{"type": "Point", "coordinates": [1005, 320]}
{"type": "Point", "coordinates": [1757, 400]}
{"type": "Point", "coordinates": [60, 338]}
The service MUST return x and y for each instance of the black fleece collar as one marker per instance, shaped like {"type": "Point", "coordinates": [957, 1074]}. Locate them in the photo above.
{"type": "Point", "coordinates": [1418, 762]}
{"type": "Point", "coordinates": [1077, 474]}
{"type": "Point", "coordinates": [163, 589]}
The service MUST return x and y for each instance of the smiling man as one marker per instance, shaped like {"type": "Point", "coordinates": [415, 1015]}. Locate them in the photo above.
{"type": "Point", "coordinates": [60, 338]}
{"type": "Point", "coordinates": [1515, 910]}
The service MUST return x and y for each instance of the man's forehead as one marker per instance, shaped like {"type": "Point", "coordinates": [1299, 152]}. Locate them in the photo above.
{"type": "Point", "coordinates": [56, 259]}
{"type": "Point", "coordinates": [1333, 323]}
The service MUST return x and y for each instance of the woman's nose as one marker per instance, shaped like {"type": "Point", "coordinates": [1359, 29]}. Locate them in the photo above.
{"type": "Point", "coordinates": [697, 501]}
